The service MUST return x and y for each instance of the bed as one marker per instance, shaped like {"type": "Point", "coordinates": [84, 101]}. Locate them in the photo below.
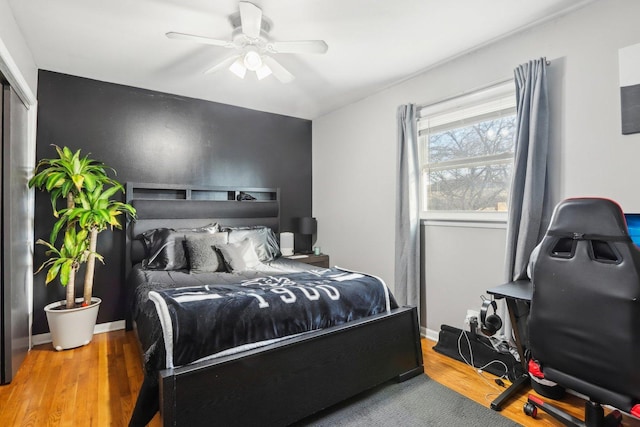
{"type": "Point", "coordinates": [277, 374]}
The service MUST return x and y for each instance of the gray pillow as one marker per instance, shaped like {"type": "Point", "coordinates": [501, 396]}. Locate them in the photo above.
{"type": "Point", "coordinates": [164, 247]}
{"type": "Point", "coordinates": [203, 257]}
{"type": "Point", "coordinates": [239, 256]}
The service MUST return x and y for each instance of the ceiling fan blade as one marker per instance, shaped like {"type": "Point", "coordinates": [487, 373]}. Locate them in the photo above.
{"type": "Point", "coordinates": [278, 70]}
{"type": "Point", "coordinates": [302, 46]}
{"type": "Point", "coordinates": [251, 18]}
{"type": "Point", "coordinates": [200, 39]}
{"type": "Point", "coordinates": [224, 64]}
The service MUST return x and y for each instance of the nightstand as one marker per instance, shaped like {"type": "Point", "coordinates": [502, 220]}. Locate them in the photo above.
{"type": "Point", "coordinates": [321, 260]}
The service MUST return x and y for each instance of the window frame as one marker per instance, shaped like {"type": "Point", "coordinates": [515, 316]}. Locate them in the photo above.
{"type": "Point", "coordinates": [470, 106]}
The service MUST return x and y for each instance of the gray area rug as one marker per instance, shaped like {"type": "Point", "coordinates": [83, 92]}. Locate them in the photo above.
{"type": "Point", "coordinates": [419, 401]}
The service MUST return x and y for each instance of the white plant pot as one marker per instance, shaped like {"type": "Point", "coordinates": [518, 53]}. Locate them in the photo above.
{"type": "Point", "coordinates": [73, 327]}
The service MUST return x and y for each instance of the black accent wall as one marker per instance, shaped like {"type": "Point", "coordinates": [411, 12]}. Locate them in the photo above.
{"type": "Point", "coordinates": [152, 137]}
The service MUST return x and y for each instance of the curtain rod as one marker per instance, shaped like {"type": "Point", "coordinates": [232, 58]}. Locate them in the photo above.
{"type": "Point", "coordinates": [454, 97]}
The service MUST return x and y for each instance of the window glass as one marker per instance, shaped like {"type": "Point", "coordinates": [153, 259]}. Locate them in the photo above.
{"type": "Point", "coordinates": [466, 156]}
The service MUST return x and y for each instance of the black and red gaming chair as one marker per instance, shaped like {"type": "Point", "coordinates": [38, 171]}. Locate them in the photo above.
{"type": "Point", "coordinates": [584, 324]}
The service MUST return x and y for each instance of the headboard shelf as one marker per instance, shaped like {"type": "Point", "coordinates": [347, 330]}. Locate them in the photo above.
{"type": "Point", "coordinates": [150, 191]}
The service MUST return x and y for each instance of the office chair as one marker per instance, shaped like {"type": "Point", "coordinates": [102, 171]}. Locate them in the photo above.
{"type": "Point", "coordinates": [584, 324]}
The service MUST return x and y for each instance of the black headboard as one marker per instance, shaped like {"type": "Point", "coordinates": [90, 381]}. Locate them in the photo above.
{"type": "Point", "coordinates": [187, 206]}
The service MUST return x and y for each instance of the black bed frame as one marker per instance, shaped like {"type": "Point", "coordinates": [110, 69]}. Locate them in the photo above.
{"type": "Point", "coordinates": [280, 383]}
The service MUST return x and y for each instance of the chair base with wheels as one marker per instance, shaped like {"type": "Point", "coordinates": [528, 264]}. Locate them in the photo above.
{"type": "Point", "coordinates": [594, 414]}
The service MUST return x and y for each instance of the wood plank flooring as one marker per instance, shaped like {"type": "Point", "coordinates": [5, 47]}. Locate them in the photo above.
{"type": "Point", "coordinates": [94, 385]}
{"type": "Point", "coordinates": [97, 385]}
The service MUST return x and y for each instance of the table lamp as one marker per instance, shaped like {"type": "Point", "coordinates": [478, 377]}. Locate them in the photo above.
{"type": "Point", "coordinates": [308, 226]}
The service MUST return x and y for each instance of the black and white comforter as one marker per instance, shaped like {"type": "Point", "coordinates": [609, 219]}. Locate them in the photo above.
{"type": "Point", "coordinates": [201, 321]}
{"type": "Point", "coordinates": [183, 318]}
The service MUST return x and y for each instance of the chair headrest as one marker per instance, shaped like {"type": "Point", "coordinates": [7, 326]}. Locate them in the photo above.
{"type": "Point", "coordinates": [588, 216]}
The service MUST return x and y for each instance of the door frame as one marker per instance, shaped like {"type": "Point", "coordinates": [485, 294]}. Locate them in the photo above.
{"type": "Point", "coordinates": [18, 83]}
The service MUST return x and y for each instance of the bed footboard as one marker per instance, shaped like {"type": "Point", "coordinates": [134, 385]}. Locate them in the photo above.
{"type": "Point", "coordinates": [285, 382]}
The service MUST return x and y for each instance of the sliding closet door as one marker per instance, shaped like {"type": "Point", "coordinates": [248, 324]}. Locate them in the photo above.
{"type": "Point", "coordinates": [5, 336]}
{"type": "Point", "coordinates": [16, 247]}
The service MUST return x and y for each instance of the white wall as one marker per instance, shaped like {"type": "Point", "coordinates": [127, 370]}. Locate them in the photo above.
{"type": "Point", "coordinates": [16, 61]}
{"type": "Point", "coordinates": [354, 152]}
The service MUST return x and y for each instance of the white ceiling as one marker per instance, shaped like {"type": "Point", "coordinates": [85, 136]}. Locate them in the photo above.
{"type": "Point", "coordinates": [372, 44]}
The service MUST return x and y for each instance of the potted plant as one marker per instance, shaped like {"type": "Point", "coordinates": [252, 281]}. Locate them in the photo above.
{"type": "Point", "coordinates": [88, 190]}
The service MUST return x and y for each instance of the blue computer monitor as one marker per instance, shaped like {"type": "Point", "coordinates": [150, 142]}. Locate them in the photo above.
{"type": "Point", "coordinates": [633, 224]}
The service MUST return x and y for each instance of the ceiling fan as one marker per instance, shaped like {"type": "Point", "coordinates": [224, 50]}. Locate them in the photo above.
{"type": "Point", "coordinates": [250, 37]}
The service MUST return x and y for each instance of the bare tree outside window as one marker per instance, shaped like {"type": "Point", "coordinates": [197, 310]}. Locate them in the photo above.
{"type": "Point", "coordinates": [468, 168]}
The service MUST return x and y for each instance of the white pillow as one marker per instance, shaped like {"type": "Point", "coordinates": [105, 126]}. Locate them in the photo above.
{"type": "Point", "coordinates": [264, 241]}
{"type": "Point", "coordinates": [240, 256]}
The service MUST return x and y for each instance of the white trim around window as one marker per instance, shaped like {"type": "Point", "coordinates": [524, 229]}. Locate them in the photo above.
{"type": "Point", "coordinates": [460, 112]}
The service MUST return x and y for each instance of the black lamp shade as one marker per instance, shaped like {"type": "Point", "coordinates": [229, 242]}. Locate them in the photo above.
{"type": "Point", "coordinates": [307, 225]}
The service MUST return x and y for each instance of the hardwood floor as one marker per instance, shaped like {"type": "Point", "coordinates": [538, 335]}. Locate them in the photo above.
{"type": "Point", "coordinates": [97, 385]}
{"type": "Point", "coordinates": [94, 385]}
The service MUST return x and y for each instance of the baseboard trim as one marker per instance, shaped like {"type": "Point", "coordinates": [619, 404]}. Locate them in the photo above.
{"type": "Point", "coordinates": [99, 329]}
{"type": "Point", "coordinates": [431, 334]}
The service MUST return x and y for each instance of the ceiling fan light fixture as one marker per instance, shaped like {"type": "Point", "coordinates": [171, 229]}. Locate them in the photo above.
{"type": "Point", "coordinates": [238, 68]}
{"type": "Point", "coordinates": [253, 45]}
{"type": "Point", "coordinates": [252, 60]}
{"type": "Point", "coordinates": [263, 72]}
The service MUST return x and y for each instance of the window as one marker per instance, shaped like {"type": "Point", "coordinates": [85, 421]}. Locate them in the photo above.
{"type": "Point", "coordinates": [466, 155]}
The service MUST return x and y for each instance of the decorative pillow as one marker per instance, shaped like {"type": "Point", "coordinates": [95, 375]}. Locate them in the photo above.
{"type": "Point", "coordinates": [203, 257]}
{"type": "Point", "coordinates": [240, 256]}
{"type": "Point", "coordinates": [264, 240]}
{"type": "Point", "coordinates": [165, 247]}
{"type": "Point", "coordinates": [273, 243]}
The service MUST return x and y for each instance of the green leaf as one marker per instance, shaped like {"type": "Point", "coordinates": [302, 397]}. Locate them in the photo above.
{"type": "Point", "coordinates": [53, 206]}
{"type": "Point", "coordinates": [66, 188]}
{"type": "Point", "coordinates": [52, 273]}
{"type": "Point", "coordinates": [104, 215]}
{"type": "Point", "coordinates": [54, 180]}
{"type": "Point", "coordinates": [82, 235]}
{"type": "Point", "coordinates": [90, 181]}
{"type": "Point", "coordinates": [56, 229]}
{"type": "Point", "coordinates": [84, 201]}
{"type": "Point", "coordinates": [109, 192]}
{"type": "Point", "coordinates": [85, 219]}
{"type": "Point", "coordinates": [77, 181]}
{"type": "Point", "coordinates": [69, 239]}
{"type": "Point", "coordinates": [65, 272]}
{"type": "Point", "coordinates": [64, 153]}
